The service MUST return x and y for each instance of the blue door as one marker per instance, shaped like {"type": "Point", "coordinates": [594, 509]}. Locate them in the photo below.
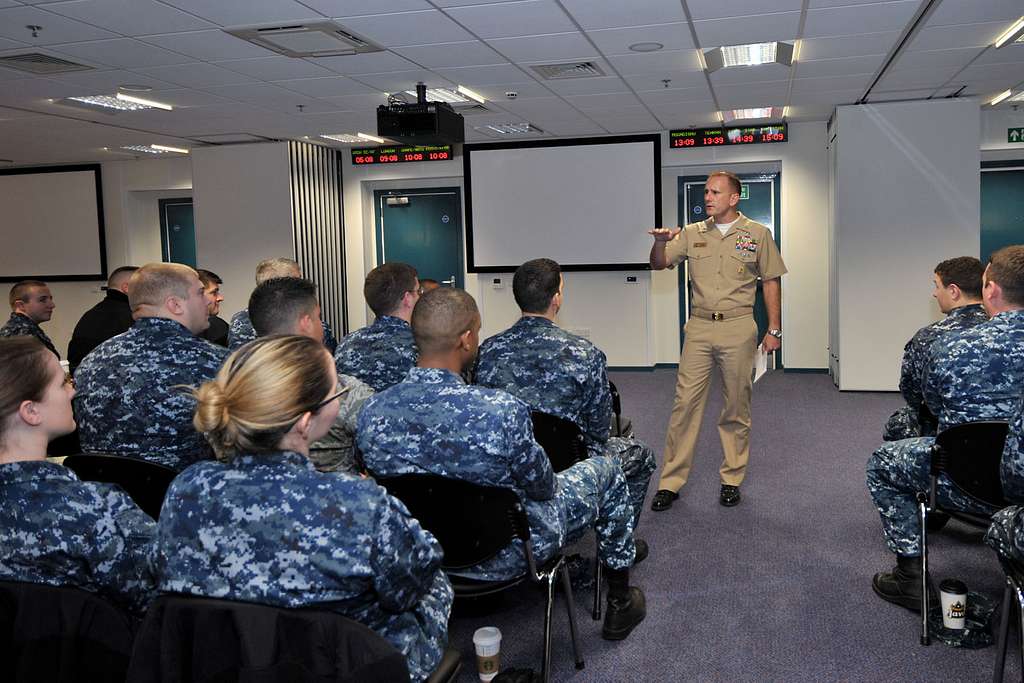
{"type": "Point", "coordinates": [178, 231]}
{"type": "Point", "coordinates": [423, 228]}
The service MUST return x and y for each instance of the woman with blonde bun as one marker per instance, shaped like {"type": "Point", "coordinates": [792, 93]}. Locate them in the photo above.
{"type": "Point", "coordinates": [55, 529]}
{"type": "Point", "coordinates": [262, 525]}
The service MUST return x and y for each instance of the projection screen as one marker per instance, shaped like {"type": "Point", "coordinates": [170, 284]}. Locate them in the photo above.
{"type": "Point", "coordinates": [586, 203]}
{"type": "Point", "coordinates": [52, 221]}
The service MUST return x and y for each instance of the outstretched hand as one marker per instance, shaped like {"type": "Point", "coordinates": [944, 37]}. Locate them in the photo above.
{"type": "Point", "coordinates": [664, 234]}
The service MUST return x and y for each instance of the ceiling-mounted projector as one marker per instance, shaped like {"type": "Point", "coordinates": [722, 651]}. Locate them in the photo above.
{"type": "Point", "coordinates": [420, 123]}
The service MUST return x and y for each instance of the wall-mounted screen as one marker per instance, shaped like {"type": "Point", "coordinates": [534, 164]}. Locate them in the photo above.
{"type": "Point", "coordinates": [586, 203]}
{"type": "Point", "coordinates": [52, 223]}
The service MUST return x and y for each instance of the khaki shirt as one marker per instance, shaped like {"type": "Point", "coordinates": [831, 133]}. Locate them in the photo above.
{"type": "Point", "coordinates": [724, 268]}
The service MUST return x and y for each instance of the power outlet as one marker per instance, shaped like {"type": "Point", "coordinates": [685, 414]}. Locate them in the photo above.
{"type": "Point", "coordinates": [497, 283]}
{"type": "Point", "coordinates": [632, 280]}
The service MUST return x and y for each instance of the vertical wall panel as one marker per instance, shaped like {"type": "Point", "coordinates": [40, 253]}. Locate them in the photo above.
{"type": "Point", "coordinates": [318, 226]}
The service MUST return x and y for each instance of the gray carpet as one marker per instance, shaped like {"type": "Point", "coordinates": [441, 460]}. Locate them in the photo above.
{"type": "Point", "coordinates": [776, 589]}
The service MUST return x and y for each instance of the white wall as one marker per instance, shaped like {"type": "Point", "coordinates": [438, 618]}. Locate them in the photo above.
{"type": "Point", "coordinates": [907, 194]}
{"type": "Point", "coordinates": [242, 199]}
{"type": "Point", "coordinates": [994, 146]}
{"type": "Point", "coordinates": [637, 324]}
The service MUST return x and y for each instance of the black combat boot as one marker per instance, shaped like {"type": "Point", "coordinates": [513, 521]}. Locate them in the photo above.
{"type": "Point", "coordinates": [901, 586]}
{"type": "Point", "coordinates": [627, 605]}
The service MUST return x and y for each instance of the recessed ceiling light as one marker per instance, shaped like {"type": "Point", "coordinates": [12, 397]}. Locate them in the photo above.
{"type": "Point", "coordinates": [463, 90]}
{"type": "Point", "coordinates": [646, 47]}
{"type": "Point", "coordinates": [1015, 32]}
{"type": "Point", "coordinates": [105, 102]}
{"type": "Point", "coordinates": [753, 54]}
{"type": "Point", "coordinates": [350, 138]}
{"type": "Point", "coordinates": [370, 138]}
{"type": "Point", "coordinates": [504, 129]}
{"type": "Point", "coordinates": [147, 103]}
{"type": "Point", "coordinates": [166, 148]}
{"type": "Point", "coordinates": [134, 87]}
{"type": "Point", "coordinates": [146, 149]}
{"type": "Point", "coordinates": [752, 113]}
{"type": "Point", "coordinates": [441, 95]}
{"type": "Point", "coordinates": [1000, 97]}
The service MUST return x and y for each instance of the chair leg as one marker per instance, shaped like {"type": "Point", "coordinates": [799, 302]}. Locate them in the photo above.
{"type": "Point", "coordinates": [598, 581]}
{"type": "Point", "coordinates": [1004, 631]}
{"type": "Point", "coordinates": [570, 605]}
{"type": "Point", "coordinates": [545, 673]}
{"type": "Point", "coordinates": [1020, 626]}
{"type": "Point", "coordinates": [922, 508]}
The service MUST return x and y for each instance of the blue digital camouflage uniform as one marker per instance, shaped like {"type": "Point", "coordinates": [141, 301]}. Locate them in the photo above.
{"type": "Point", "coordinates": [21, 325]}
{"type": "Point", "coordinates": [978, 375]}
{"type": "Point", "coordinates": [271, 529]}
{"type": "Point", "coordinates": [57, 530]}
{"type": "Point", "coordinates": [559, 373]}
{"type": "Point", "coordinates": [434, 423]}
{"type": "Point", "coordinates": [1006, 534]}
{"type": "Point", "coordinates": [241, 332]}
{"type": "Point", "coordinates": [130, 398]}
{"type": "Point", "coordinates": [904, 424]}
{"type": "Point", "coordinates": [380, 354]}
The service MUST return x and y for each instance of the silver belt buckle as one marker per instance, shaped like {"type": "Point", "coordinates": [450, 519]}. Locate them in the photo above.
{"type": "Point", "coordinates": [717, 316]}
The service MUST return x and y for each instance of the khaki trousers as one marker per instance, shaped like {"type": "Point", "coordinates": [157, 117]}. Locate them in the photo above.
{"type": "Point", "coordinates": [729, 344]}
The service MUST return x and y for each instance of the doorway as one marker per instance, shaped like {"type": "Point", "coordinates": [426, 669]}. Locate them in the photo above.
{"type": "Point", "coordinates": [760, 202]}
{"type": "Point", "coordinates": [1002, 206]}
{"type": "Point", "coordinates": [178, 231]}
{"type": "Point", "coordinates": [422, 227]}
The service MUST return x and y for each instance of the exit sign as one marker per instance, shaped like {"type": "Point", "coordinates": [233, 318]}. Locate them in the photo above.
{"type": "Point", "coordinates": [1015, 134]}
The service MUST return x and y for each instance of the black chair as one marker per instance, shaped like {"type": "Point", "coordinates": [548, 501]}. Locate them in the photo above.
{"type": "Point", "coordinates": [927, 421]}
{"type": "Point", "coordinates": [146, 482]}
{"type": "Point", "coordinates": [621, 426]}
{"type": "Point", "coordinates": [1014, 589]}
{"type": "Point", "coordinates": [60, 634]}
{"type": "Point", "coordinates": [185, 638]}
{"type": "Point", "coordinates": [473, 523]}
{"type": "Point", "coordinates": [969, 455]}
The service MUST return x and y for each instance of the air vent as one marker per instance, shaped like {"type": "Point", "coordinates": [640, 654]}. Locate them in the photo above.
{"type": "Point", "coordinates": [38, 63]}
{"type": "Point", "coordinates": [553, 72]}
{"type": "Point", "coordinates": [319, 39]}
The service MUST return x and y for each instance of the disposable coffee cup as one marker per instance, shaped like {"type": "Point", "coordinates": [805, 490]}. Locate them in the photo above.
{"type": "Point", "coordinates": [487, 641]}
{"type": "Point", "coordinates": [953, 595]}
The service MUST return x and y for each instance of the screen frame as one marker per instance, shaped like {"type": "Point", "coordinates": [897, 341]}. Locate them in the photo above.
{"type": "Point", "coordinates": [467, 155]}
{"type": "Point", "coordinates": [100, 221]}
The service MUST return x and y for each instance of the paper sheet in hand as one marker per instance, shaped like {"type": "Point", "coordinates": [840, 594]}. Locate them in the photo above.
{"type": "Point", "coordinates": [760, 364]}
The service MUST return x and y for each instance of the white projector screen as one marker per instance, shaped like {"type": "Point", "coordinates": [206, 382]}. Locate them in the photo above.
{"type": "Point", "coordinates": [586, 203]}
{"type": "Point", "coordinates": [52, 223]}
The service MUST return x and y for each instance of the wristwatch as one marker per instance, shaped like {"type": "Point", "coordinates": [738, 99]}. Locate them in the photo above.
{"type": "Point", "coordinates": [776, 333]}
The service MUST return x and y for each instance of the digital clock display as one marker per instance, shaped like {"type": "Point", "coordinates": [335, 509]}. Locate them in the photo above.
{"type": "Point", "coordinates": [398, 155]}
{"type": "Point", "coordinates": [728, 135]}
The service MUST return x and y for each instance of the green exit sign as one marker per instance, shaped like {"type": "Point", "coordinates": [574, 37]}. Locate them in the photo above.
{"type": "Point", "coordinates": [1015, 134]}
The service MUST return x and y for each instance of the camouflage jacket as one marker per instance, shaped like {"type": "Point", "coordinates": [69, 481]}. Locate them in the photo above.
{"type": "Point", "coordinates": [240, 331]}
{"type": "Point", "coordinates": [336, 451]}
{"type": "Point", "coordinates": [1012, 470]}
{"type": "Point", "coordinates": [380, 354]}
{"type": "Point", "coordinates": [21, 325]}
{"type": "Point", "coordinates": [132, 393]}
{"type": "Point", "coordinates": [977, 373]}
{"type": "Point", "coordinates": [915, 353]}
{"type": "Point", "coordinates": [553, 371]}
{"type": "Point", "coordinates": [60, 531]}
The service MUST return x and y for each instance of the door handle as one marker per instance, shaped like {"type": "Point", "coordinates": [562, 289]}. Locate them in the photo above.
{"type": "Point", "coordinates": [450, 282]}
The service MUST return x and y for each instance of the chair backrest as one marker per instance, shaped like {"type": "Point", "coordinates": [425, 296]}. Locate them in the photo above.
{"type": "Point", "coordinates": [186, 638]}
{"type": "Point", "coordinates": [561, 439]}
{"type": "Point", "coordinates": [926, 420]}
{"type": "Point", "coordinates": [970, 455]}
{"type": "Point", "coordinates": [471, 522]}
{"type": "Point", "coordinates": [61, 633]}
{"type": "Point", "coordinates": [146, 482]}
{"type": "Point", "coordinates": [616, 399]}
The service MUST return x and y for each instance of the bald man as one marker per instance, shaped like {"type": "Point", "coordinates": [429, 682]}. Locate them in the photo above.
{"type": "Point", "coordinates": [109, 318]}
{"type": "Point", "coordinates": [434, 423]}
{"type": "Point", "coordinates": [130, 399]}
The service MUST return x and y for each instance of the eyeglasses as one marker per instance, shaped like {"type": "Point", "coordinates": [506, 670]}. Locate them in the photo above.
{"type": "Point", "coordinates": [327, 400]}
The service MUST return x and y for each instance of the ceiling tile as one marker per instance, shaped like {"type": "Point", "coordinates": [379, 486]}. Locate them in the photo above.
{"type": "Point", "coordinates": [716, 9]}
{"type": "Point", "coordinates": [592, 15]}
{"type": "Point", "coordinates": [973, 12]}
{"type": "Point", "coordinates": [464, 3]}
{"type": "Point", "coordinates": [894, 95]}
{"type": "Point", "coordinates": [334, 86]}
{"type": "Point", "coordinates": [186, 98]}
{"type": "Point", "coordinates": [678, 111]}
{"type": "Point", "coordinates": [276, 68]}
{"type": "Point", "coordinates": [964, 35]}
{"type": "Point", "coordinates": [26, 90]}
{"type": "Point", "coordinates": [510, 19]}
{"type": "Point", "coordinates": [56, 29]}
{"type": "Point", "coordinates": [916, 79]}
{"type": "Point", "coordinates": [129, 17]}
{"type": "Point", "coordinates": [94, 82]}
{"type": "Point", "coordinates": [8, 44]}
{"type": "Point", "coordinates": [671, 97]}
{"type": "Point", "coordinates": [937, 58]}
{"type": "Point", "coordinates": [1007, 54]}
{"type": "Point", "coordinates": [208, 46]}
{"type": "Point", "coordinates": [393, 81]}
{"type": "Point", "coordinates": [471, 53]}
{"type": "Point", "coordinates": [696, 119]}
{"type": "Point", "coordinates": [553, 48]}
{"type": "Point", "coordinates": [657, 82]}
{"type": "Point", "coordinates": [486, 75]}
{"type": "Point", "coordinates": [496, 93]}
{"type": "Point", "coordinates": [408, 28]}
{"type": "Point", "coordinates": [742, 96]}
{"type": "Point", "coordinates": [354, 8]}
{"type": "Point", "coordinates": [123, 53]}
{"type": "Point", "coordinates": [605, 101]}
{"type": "Point", "coordinates": [860, 45]}
{"type": "Point", "coordinates": [809, 113]}
{"type": "Point", "coordinates": [365, 103]}
{"type": "Point", "coordinates": [819, 4]}
{"type": "Point", "coordinates": [616, 41]}
{"type": "Point", "coordinates": [1011, 74]}
{"type": "Point", "coordinates": [881, 16]}
{"type": "Point", "coordinates": [588, 86]}
{"type": "Point", "coordinates": [545, 106]}
{"type": "Point", "coordinates": [836, 83]}
{"type": "Point", "coordinates": [370, 63]}
{"type": "Point", "coordinates": [839, 67]}
{"type": "Point", "coordinates": [822, 97]}
{"type": "Point", "coordinates": [196, 75]}
{"type": "Point", "coordinates": [569, 127]}
{"type": "Point", "coordinates": [761, 28]}
{"type": "Point", "coordinates": [639, 123]}
{"type": "Point", "coordinates": [750, 74]}
{"type": "Point", "coordinates": [234, 13]}
{"type": "Point", "coordinates": [672, 61]}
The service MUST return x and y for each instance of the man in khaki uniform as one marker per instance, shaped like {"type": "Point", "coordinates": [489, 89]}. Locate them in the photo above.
{"type": "Point", "coordinates": [727, 253]}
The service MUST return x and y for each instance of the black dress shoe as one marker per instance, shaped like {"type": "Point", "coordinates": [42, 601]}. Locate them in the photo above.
{"type": "Point", "coordinates": [729, 496]}
{"type": "Point", "coordinates": [642, 550]}
{"type": "Point", "coordinates": [663, 500]}
{"type": "Point", "coordinates": [623, 614]}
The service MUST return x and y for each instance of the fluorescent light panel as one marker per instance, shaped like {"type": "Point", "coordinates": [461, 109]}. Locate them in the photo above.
{"type": "Point", "coordinates": [108, 102]}
{"type": "Point", "coordinates": [370, 138]}
{"type": "Point", "coordinates": [463, 90]}
{"type": "Point", "coordinates": [753, 113]}
{"type": "Point", "coordinates": [442, 95]}
{"type": "Point", "coordinates": [155, 149]}
{"type": "Point", "coordinates": [342, 137]}
{"type": "Point", "coordinates": [749, 55]}
{"type": "Point", "coordinates": [123, 97]}
{"type": "Point", "coordinates": [1015, 32]}
{"type": "Point", "coordinates": [166, 148]}
{"type": "Point", "coordinates": [1000, 97]}
{"type": "Point", "coordinates": [509, 129]}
